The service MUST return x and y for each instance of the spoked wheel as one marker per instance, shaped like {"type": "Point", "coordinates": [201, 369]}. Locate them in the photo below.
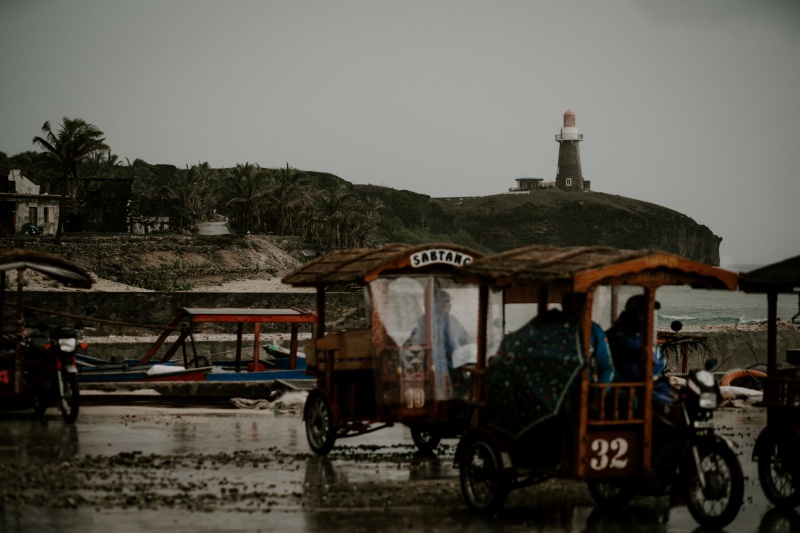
{"type": "Point", "coordinates": [779, 473]}
{"type": "Point", "coordinates": [320, 430]}
{"type": "Point", "coordinates": [484, 484]}
{"type": "Point", "coordinates": [718, 503]}
{"type": "Point", "coordinates": [425, 438]}
{"type": "Point", "coordinates": [610, 494]}
{"type": "Point", "coordinates": [69, 398]}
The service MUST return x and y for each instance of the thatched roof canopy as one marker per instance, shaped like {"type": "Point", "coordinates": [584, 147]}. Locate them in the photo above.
{"type": "Point", "coordinates": [780, 277]}
{"type": "Point", "coordinates": [580, 269]}
{"type": "Point", "coordinates": [362, 265]}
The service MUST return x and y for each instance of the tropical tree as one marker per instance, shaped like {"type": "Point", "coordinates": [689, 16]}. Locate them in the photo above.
{"type": "Point", "coordinates": [64, 150]}
{"type": "Point", "coordinates": [103, 165]}
{"type": "Point", "coordinates": [285, 191]}
{"type": "Point", "coordinates": [335, 204]}
{"type": "Point", "coordinates": [208, 190]}
{"type": "Point", "coordinates": [246, 187]}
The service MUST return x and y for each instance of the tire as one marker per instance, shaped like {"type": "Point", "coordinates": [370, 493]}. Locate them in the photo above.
{"type": "Point", "coordinates": [426, 439]}
{"type": "Point", "coordinates": [777, 519]}
{"type": "Point", "coordinates": [69, 398]}
{"type": "Point", "coordinates": [716, 505]}
{"type": "Point", "coordinates": [199, 362]}
{"type": "Point", "coordinates": [320, 429]}
{"type": "Point", "coordinates": [610, 495]}
{"type": "Point", "coordinates": [484, 484]}
{"type": "Point", "coordinates": [778, 472]}
{"type": "Point", "coordinates": [42, 399]}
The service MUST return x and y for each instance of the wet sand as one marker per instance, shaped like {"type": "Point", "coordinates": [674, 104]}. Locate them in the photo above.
{"type": "Point", "coordinates": [135, 468]}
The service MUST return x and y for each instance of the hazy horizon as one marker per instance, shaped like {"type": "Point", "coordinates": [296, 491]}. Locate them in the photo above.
{"type": "Point", "coordinates": [689, 104]}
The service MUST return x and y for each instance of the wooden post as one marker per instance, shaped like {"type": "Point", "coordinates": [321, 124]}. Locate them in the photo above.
{"type": "Point", "coordinates": [256, 344]}
{"type": "Point", "coordinates": [649, 345]}
{"type": "Point", "coordinates": [772, 333]}
{"type": "Point", "coordinates": [585, 325]}
{"type": "Point", "coordinates": [320, 312]}
{"type": "Point", "coordinates": [293, 348]}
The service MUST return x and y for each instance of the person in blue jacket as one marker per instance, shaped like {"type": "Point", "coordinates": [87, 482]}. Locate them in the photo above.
{"type": "Point", "coordinates": [602, 366]}
{"type": "Point", "coordinates": [626, 339]}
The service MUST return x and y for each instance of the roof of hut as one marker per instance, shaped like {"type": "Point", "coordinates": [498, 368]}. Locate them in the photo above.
{"type": "Point", "coordinates": [361, 265]}
{"type": "Point", "coordinates": [581, 268]}
{"type": "Point", "coordinates": [780, 277]}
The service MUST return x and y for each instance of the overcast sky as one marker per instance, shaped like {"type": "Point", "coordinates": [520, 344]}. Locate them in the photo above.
{"type": "Point", "coordinates": [690, 104]}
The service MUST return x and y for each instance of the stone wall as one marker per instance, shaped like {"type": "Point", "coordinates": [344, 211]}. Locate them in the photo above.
{"type": "Point", "coordinates": [127, 313]}
{"type": "Point", "coordinates": [739, 349]}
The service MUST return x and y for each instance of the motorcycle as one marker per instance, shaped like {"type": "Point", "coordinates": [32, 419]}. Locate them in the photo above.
{"type": "Point", "coordinates": [58, 373]}
{"type": "Point", "coordinates": [49, 373]}
{"type": "Point", "coordinates": [692, 463]}
{"type": "Point", "coordinates": [32, 229]}
{"type": "Point", "coordinates": [38, 368]}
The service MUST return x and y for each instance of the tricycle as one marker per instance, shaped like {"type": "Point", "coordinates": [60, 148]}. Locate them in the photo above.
{"type": "Point", "coordinates": [407, 365]}
{"type": "Point", "coordinates": [540, 410]}
{"type": "Point", "coordinates": [777, 444]}
{"type": "Point", "coordinates": [37, 365]}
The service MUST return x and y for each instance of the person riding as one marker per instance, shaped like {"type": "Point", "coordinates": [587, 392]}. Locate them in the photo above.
{"type": "Point", "coordinates": [626, 339]}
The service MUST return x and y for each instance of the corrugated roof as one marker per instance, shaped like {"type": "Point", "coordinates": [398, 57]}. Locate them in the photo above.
{"type": "Point", "coordinates": [780, 277]}
{"type": "Point", "coordinates": [580, 268]}
{"type": "Point", "coordinates": [360, 265]}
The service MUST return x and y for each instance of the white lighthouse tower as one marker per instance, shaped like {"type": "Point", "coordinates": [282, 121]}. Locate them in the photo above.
{"type": "Point", "coordinates": [569, 176]}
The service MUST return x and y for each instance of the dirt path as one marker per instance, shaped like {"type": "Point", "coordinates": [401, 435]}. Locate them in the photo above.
{"type": "Point", "coordinates": [212, 228]}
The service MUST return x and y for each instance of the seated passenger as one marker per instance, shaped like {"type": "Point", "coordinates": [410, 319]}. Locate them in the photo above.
{"type": "Point", "coordinates": [448, 336]}
{"type": "Point", "coordinates": [602, 368]}
{"type": "Point", "coordinates": [626, 339]}
{"type": "Point", "coordinates": [535, 375]}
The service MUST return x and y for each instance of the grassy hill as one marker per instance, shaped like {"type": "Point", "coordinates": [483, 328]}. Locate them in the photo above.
{"type": "Point", "coordinates": [505, 221]}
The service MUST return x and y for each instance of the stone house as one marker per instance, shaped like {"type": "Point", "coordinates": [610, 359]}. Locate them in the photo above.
{"type": "Point", "coordinates": [22, 203]}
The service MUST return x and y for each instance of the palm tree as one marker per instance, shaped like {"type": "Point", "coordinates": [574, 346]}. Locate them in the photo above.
{"type": "Point", "coordinates": [64, 150]}
{"type": "Point", "coordinates": [246, 187]}
{"type": "Point", "coordinates": [335, 205]}
{"type": "Point", "coordinates": [286, 192]}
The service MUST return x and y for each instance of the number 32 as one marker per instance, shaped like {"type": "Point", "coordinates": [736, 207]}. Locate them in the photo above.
{"type": "Point", "coordinates": [617, 447]}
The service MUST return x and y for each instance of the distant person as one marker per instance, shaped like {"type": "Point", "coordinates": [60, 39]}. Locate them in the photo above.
{"type": "Point", "coordinates": [448, 335]}
{"type": "Point", "coordinates": [626, 339]}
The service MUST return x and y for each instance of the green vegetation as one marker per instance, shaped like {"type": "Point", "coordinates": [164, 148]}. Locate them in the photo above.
{"type": "Point", "coordinates": [64, 150]}
{"type": "Point", "coordinates": [327, 212]}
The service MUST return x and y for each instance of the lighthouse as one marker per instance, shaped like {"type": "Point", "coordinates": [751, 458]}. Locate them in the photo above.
{"type": "Point", "coordinates": [569, 176]}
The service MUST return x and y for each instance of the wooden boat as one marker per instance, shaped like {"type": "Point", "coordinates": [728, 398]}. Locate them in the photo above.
{"type": "Point", "coordinates": [277, 363]}
{"type": "Point", "coordinates": [144, 375]}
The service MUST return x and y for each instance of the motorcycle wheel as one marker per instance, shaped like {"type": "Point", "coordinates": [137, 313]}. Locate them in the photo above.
{"type": "Point", "coordinates": [610, 495]}
{"type": "Point", "coordinates": [425, 439]}
{"type": "Point", "coordinates": [484, 485]}
{"type": "Point", "coordinates": [717, 504]}
{"type": "Point", "coordinates": [68, 396]}
{"type": "Point", "coordinates": [42, 399]}
{"type": "Point", "coordinates": [779, 474]}
{"type": "Point", "coordinates": [320, 430]}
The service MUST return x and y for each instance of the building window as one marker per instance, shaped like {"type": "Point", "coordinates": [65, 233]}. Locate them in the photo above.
{"type": "Point", "coordinates": [32, 215]}
{"type": "Point", "coordinates": [46, 215]}
{"type": "Point", "coordinates": [569, 182]}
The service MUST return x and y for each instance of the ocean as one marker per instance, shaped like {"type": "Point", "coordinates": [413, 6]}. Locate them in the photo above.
{"type": "Point", "coordinates": [695, 307]}
{"type": "Point", "coordinates": [692, 307]}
